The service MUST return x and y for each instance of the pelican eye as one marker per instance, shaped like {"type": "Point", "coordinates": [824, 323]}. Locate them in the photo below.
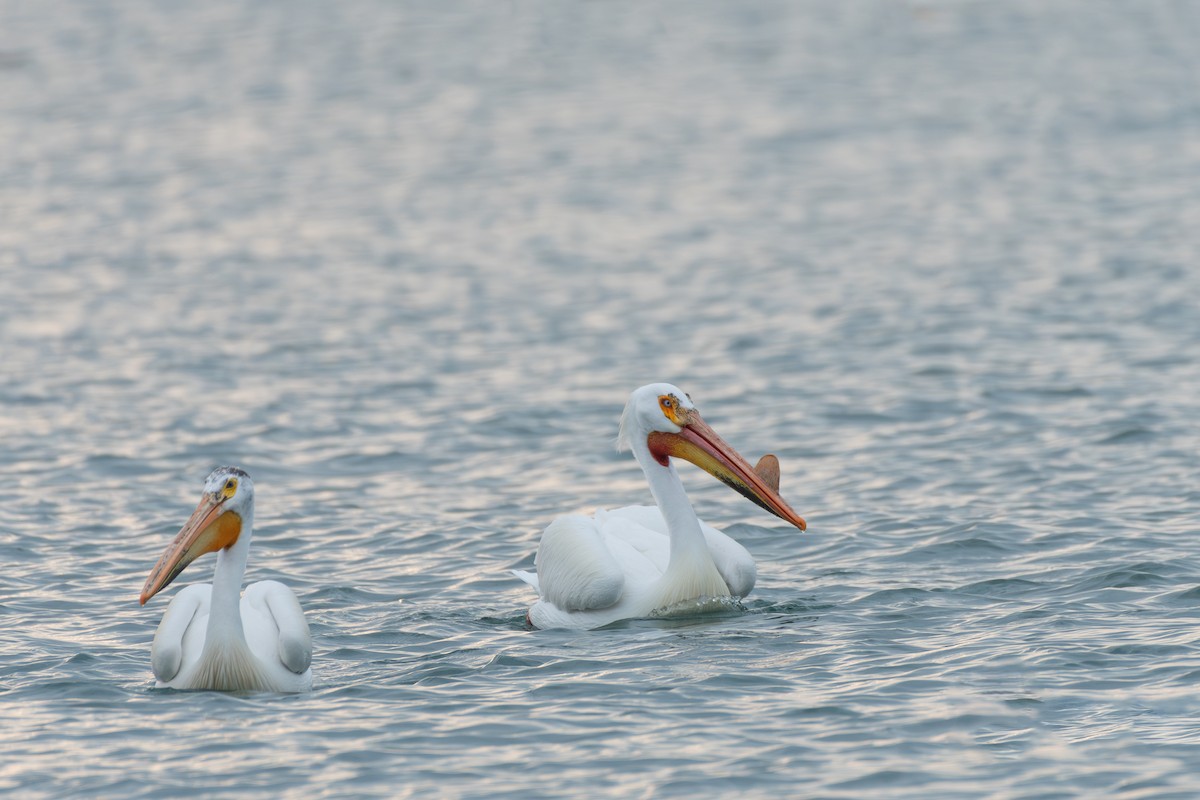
{"type": "Point", "coordinates": [230, 487]}
{"type": "Point", "coordinates": [672, 408]}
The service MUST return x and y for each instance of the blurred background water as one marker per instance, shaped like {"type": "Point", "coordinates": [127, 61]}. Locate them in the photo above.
{"type": "Point", "coordinates": [404, 262]}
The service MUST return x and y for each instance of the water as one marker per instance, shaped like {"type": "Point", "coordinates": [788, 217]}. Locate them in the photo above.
{"type": "Point", "coordinates": [404, 263]}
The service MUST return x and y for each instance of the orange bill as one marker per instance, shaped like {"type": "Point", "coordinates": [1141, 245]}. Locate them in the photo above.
{"type": "Point", "coordinates": [209, 529]}
{"type": "Point", "coordinates": [701, 445]}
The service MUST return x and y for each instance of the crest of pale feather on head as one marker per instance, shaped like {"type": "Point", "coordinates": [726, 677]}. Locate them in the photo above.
{"type": "Point", "coordinates": [646, 396]}
{"type": "Point", "coordinates": [624, 431]}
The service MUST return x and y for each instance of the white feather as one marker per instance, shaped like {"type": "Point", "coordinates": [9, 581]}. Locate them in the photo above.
{"type": "Point", "coordinates": [638, 561]}
{"type": "Point", "coordinates": [273, 655]}
{"type": "Point", "coordinates": [576, 571]}
{"type": "Point", "coordinates": [212, 638]}
{"type": "Point", "coordinates": [575, 576]}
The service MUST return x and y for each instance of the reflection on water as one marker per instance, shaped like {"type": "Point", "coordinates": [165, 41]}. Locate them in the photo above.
{"type": "Point", "coordinates": [404, 264]}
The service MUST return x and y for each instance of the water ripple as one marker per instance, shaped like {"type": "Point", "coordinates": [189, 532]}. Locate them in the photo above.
{"type": "Point", "coordinates": [404, 262]}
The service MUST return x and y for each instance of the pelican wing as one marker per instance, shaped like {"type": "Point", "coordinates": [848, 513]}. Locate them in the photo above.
{"type": "Point", "coordinates": [575, 570]}
{"type": "Point", "coordinates": [637, 537]}
{"type": "Point", "coordinates": [623, 544]}
{"type": "Point", "coordinates": [733, 561]}
{"type": "Point", "coordinates": [529, 577]}
{"type": "Point", "coordinates": [280, 631]}
{"type": "Point", "coordinates": [167, 652]}
{"type": "Point", "coordinates": [644, 528]}
{"type": "Point", "coordinates": [589, 569]}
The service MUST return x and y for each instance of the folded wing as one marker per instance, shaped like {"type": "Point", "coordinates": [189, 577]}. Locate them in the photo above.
{"type": "Point", "coordinates": [281, 631]}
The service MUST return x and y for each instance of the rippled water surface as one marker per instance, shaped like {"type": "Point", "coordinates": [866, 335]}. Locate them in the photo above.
{"type": "Point", "coordinates": [404, 262]}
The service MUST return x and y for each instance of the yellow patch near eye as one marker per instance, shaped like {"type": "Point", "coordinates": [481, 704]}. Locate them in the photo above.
{"type": "Point", "coordinates": [670, 407]}
{"type": "Point", "coordinates": [230, 488]}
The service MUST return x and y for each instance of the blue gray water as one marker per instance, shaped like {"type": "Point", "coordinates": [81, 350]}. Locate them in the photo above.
{"type": "Point", "coordinates": [403, 262]}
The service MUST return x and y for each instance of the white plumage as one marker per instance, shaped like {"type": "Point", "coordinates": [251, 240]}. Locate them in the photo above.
{"type": "Point", "coordinates": [210, 637]}
{"type": "Point", "coordinates": [640, 561]}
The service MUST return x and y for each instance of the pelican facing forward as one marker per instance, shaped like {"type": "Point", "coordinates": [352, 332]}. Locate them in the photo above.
{"type": "Point", "coordinates": [212, 636]}
{"type": "Point", "coordinates": [642, 561]}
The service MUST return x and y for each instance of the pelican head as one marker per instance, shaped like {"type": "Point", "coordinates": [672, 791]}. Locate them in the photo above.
{"type": "Point", "coordinates": [216, 524]}
{"type": "Point", "coordinates": [666, 420]}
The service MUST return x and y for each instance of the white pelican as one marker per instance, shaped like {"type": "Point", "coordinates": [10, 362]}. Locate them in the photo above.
{"type": "Point", "coordinates": [642, 561]}
{"type": "Point", "coordinates": [208, 639]}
